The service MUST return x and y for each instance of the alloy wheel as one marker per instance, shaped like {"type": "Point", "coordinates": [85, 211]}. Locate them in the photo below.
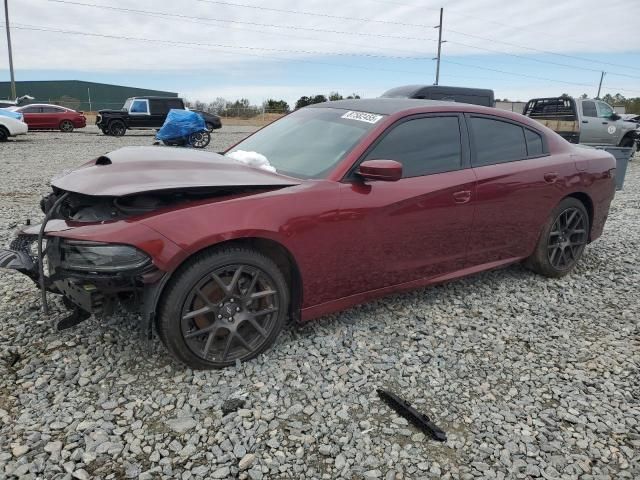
{"type": "Point", "coordinates": [199, 139]}
{"type": "Point", "coordinates": [66, 126]}
{"type": "Point", "coordinates": [567, 238]}
{"type": "Point", "coordinates": [117, 128]}
{"type": "Point", "coordinates": [230, 313]}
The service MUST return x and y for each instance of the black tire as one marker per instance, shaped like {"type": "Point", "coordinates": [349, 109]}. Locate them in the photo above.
{"type": "Point", "coordinates": [562, 241]}
{"type": "Point", "coordinates": [117, 128]}
{"type": "Point", "coordinates": [66, 126]}
{"type": "Point", "coordinates": [628, 142]}
{"type": "Point", "coordinates": [212, 312]}
{"type": "Point", "coordinates": [4, 134]}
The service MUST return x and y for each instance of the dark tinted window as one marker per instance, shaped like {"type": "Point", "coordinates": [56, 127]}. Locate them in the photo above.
{"type": "Point", "coordinates": [589, 109]}
{"type": "Point", "coordinates": [534, 142]}
{"type": "Point", "coordinates": [158, 107]}
{"type": "Point", "coordinates": [177, 103]}
{"type": "Point", "coordinates": [31, 110]}
{"type": "Point", "coordinates": [497, 142]}
{"type": "Point", "coordinates": [423, 146]}
{"type": "Point", "coordinates": [52, 110]}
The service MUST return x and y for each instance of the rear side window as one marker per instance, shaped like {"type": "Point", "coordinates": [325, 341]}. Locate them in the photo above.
{"type": "Point", "coordinates": [177, 103]}
{"type": "Point", "coordinates": [424, 146]}
{"type": "Point", "coordinates": [589, 109]}
{"type": "Point", "coordinates": [52, 110]}
{"type": "Point", "coordinates": [158, 107]}
{"type": "Point", "coordinates": [534, 143]}
{"type": "Point", "coordinates": [497, 141]}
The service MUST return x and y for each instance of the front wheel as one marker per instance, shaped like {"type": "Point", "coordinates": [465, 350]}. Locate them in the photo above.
{"type": "Point", "coordinates": [629, 142]}
{"type": "Point", "coordinates": [4, 134]}
{"type": "Point", "coordinates": [223, 306]}
{"type": "Point", "coordinates": [562, 241]}
{"type": "Point", "coordinates": [117, 128]}
{"type": "Point", "coordinates": [66, 126]}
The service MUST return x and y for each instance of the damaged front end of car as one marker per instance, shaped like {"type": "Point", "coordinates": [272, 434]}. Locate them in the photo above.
{"type": "Point", "coordinates": [93, 277]}
{"type": "Point", "coordinates": [93, 246]}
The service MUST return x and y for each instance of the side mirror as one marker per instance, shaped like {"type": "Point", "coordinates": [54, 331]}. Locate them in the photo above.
{"type": "Point", "coordinates": [383, 170]}
{"type": "Point", "coordinates": [614, 116]}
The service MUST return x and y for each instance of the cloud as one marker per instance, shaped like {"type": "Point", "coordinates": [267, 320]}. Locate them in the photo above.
{"type": "Point", "coordinates": [209, 30]}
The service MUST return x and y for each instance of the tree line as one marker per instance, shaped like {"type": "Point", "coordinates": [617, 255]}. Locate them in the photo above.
{"type": "Point", "coordinates": [243, 107]}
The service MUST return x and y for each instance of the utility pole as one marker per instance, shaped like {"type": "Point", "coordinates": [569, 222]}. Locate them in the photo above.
{"type": "Point", "coordinates": [600, 86]}
{"type": "Point", "coordinates": [440, 42]}
{"type": "Point", "coordinates": [13, 79]}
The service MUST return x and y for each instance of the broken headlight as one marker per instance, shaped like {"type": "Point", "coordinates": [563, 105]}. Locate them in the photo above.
{"type": "Point", "coordinates": [100, 257]}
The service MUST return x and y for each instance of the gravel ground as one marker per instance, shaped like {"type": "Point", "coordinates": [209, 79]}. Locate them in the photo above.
{"type": "Point", "coordinates": [530, 377]}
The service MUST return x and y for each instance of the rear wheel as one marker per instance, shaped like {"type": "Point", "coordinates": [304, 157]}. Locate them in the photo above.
{"type": "Point", "coordinates": [223, 306]}
{"type": "Point", "coordinates": [4, 134]}
{"type": "Point", "coordinates": [117, 128]}
{"type": "Point", "coordinates": [562, 241]}
{"type": "Point", "coordinates": [66, 126]}
{"type": "Point", "coordinates": [199, 139]}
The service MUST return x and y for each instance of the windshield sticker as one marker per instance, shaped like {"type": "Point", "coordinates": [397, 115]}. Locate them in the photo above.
{"type": "Point", "coordinates": [362, 116]}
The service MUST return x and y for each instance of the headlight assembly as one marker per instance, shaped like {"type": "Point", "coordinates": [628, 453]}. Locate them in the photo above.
{"type": "Point", "coordinates": [100, 257]}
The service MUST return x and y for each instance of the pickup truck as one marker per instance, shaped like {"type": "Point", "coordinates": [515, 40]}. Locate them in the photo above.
{"type": "Point", "coordinates": [144, 113]}
{"type": "Point", "coordinates": [585, 120]}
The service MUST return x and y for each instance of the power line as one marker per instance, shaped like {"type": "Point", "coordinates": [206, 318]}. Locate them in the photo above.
{"type": "Point", "coordinates": [533, 76]}
{"type": "Point", "coordinates": [564, 55]}
{"type": "Point", "coordinates": [224, 22]}
{"type": "Point", "coordinates": [211, 47]}
{"type": "Point", "coordinates": [254, 24]}
{"type": "Point", "coordinates": [313, 14]}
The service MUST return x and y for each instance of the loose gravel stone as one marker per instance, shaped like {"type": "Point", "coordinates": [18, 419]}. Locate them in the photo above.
{"type": "Point", "coordinates": [530, 377]}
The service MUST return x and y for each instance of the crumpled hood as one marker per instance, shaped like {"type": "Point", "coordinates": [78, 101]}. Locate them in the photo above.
{"type": "Point", "coordinates": [132, 170]}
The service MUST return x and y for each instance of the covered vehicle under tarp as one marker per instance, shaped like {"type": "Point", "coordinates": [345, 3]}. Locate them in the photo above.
{"type": "Point", "coordinates": [180, 124]}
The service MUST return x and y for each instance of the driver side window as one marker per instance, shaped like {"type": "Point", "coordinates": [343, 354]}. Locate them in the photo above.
{"type": "Point", "coordinates": [424, 146]}
{"type": "Point", "coordinates": [604, 110]}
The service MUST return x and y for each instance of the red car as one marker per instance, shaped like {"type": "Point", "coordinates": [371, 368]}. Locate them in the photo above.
{"type": "Point", "coordinates": [333, 205]}
{"type": "Point", "coordinates": [51, 117]}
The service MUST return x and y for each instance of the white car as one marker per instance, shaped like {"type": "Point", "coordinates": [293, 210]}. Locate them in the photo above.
{"type": "Point", "coordinates": [10, 127]}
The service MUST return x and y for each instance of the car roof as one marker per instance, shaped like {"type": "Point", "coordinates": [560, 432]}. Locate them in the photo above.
{"type": "Point", "coordinates": [390, 106]}
{"type": "Point", "coordinates": [152, 97]}
{"type": "Point", "coordinates": [43, 105]}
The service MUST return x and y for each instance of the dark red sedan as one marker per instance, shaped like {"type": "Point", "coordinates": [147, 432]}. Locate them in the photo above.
{"type": "Point", "coordinates": [331, 206]}
{"type": "Point", "coordinates": [52, 117]}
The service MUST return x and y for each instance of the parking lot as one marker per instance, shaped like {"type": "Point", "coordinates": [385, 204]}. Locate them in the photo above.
{"type": "Point", "coordinates": [530, 377]}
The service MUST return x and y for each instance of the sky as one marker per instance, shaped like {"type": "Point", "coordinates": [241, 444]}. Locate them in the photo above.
{"type": "Point", "coordinates": [284, 49]}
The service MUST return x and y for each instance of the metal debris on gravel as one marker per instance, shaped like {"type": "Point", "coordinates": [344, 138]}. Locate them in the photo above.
{"type": "Point", "coordinates": [530, 377]}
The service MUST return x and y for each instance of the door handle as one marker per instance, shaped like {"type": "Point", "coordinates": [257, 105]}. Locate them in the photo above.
{"type": "Point", "coordinates": [585, 121]}
{"type": "Point", "coordinates": [605, 123]}
{"type": "Point", "coordinates": [462, 197]}
{"type": "Point", "coordinates": [550, 177]}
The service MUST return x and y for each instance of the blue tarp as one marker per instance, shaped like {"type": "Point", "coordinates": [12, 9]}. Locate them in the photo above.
{"type": "Point", "coordinates": [8, 113]}
{"type": "Point", "coordinates": [180, 123]}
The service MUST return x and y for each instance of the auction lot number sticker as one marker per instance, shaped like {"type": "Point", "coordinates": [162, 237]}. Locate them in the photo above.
{"type": "Point", "coordinates": [362, 116]}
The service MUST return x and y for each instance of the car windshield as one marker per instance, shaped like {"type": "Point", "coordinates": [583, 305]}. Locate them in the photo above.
{"type": "Point", "coordinates": [308, 143]}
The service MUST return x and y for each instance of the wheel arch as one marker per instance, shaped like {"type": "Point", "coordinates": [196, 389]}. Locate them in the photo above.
{"type": "Point", "coordinates": [272, 249]}
{"type": "Point", "coordinates": [586, 200]}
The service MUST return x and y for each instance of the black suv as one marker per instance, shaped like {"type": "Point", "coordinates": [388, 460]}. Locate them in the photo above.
{"type": "Point", "coordinates": [145, 113]}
